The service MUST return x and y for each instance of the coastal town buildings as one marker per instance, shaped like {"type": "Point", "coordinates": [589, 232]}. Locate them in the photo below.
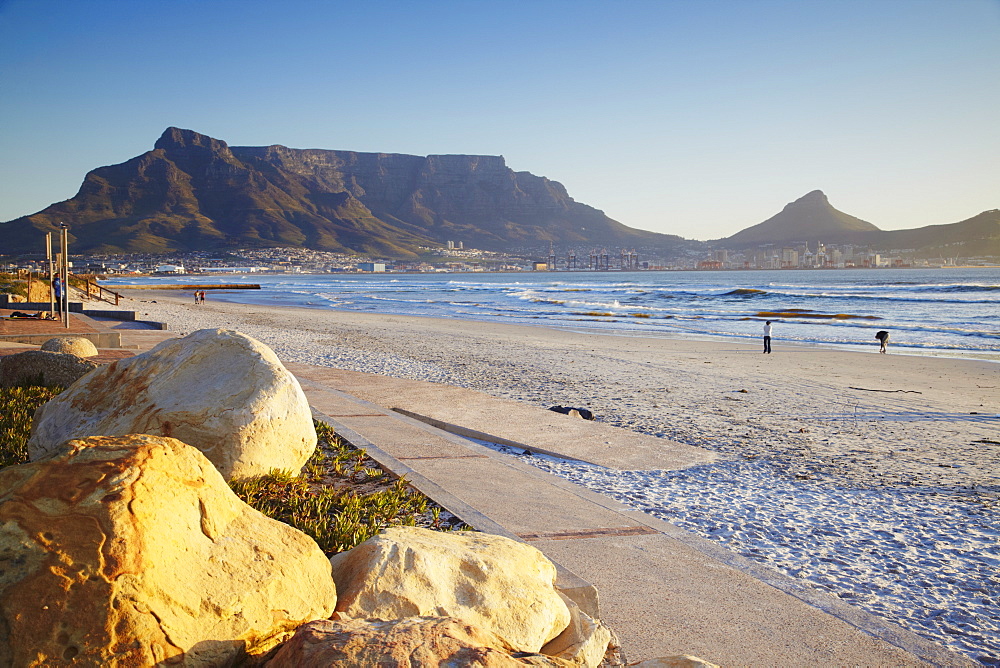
{"type": "Point", "coordinates": [816, 255]}
{"type": "Point", "coordinates": [822, 256]}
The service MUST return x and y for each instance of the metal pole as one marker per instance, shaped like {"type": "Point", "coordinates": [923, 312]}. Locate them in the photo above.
{"type": "Point", "coordinates": [64, 270]}
{"type": "Point", "coordinates": [52, 274]}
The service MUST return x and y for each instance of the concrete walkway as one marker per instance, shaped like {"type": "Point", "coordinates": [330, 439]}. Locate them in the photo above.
{"type": "Point", "coordinates": [664, 590]}
{"type": "Point", "coordinates": [114, 339]}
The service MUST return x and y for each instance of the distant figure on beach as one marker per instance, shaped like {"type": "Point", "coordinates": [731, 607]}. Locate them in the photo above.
{"type": "Point", "coordinates": [202, 296]}
{"type": "Point", "coordinates": [767, 337]}
{"type": "Point", "coordinates": [197, 297]}
{"type": "Point", "coordinates": [883, 339]}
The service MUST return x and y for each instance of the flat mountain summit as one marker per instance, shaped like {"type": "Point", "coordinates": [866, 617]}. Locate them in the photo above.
{"type": "Point", "coordinates": [195, 192]}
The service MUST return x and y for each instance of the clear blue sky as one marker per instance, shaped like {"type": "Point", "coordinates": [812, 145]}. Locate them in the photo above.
{"type": "Point", "coordinates": [691, 117]}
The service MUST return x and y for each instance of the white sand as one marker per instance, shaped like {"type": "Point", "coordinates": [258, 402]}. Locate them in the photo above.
{"type": "Point", "coordinates": [887, 498]}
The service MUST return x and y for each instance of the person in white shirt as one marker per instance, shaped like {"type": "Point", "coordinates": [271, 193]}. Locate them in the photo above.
{"type": "Point", "coordinates": [767, 337]}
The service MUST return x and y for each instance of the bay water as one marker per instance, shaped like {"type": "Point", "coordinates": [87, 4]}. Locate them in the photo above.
{"type": "Point", "coordinates": [948, 311]}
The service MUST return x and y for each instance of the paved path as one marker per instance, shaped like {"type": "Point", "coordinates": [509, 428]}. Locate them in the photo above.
{"type": "Point", "coordinates": [115, 339]}
{"type": "Point", "coordinates": [10, 327]}
{"type": "Point", "coordinates": [664, 590]}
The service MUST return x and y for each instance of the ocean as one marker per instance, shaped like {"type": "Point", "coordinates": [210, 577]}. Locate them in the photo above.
{"type": "Point", "coordinates": [952, 311]}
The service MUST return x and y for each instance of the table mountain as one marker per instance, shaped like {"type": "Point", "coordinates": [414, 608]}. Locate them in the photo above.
{"type": "Point", "coordinates": [194, 192]}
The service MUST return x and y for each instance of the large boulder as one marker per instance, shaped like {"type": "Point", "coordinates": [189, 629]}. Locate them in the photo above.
{"type": "Point", "coordinates": [676, 661]}
{"type": "Point", "coordinates": [72, 345]}
{"type": "Point", "coordinates": [221, 391]}
{"type": "Point", "coordinates": [490, 581]}
{"type": "Point", "coordinates": [585, 642]}
{"type": "Point", "coordinates": [133, 551]}
{"type": "Point", "coordinates": [43, 367]}
{"type": "Point", "coordinates": [414, 641]}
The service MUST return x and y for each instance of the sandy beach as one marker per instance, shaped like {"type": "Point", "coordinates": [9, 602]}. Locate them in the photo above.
{"type": "Point", "coordinates": [893, 460]}
{"type": "Point", "coordinates": [845, 417]}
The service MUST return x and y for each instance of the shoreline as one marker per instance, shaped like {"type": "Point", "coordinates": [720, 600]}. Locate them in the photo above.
{"type": "Point", "coordinates": [928, 313]}
{"type": "Point", "coordinates": [583, 326]}
{"type": "Point", "coordinates": [874, 476]}
{"type": "Point", "coordinates": [966, 392]}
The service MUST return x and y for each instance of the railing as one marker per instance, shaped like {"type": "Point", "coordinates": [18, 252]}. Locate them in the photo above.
{"type": "Point", "coordinates": [96, 291]}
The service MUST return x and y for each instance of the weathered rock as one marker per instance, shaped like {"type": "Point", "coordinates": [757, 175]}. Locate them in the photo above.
{"type": "Point", "coordinates": [72, 345]}
{"type": "Point", "coordinates": [413, 641]}
{"type": "Point", "coordinates": [221, 391]}
{"type": "Point", "coordinates": [44, 367]}
{"type": "Point", "coordinates": [130, 551]}
{"type": "Point", "coordinates": [490, 581]}
{"type": "Point", "coordinates": [678, 661]}
{"type": "Point", "coordinates": [585, 642]}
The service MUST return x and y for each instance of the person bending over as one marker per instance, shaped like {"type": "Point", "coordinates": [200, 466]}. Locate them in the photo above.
{"type": "Point", "coordinates": [883, 339]}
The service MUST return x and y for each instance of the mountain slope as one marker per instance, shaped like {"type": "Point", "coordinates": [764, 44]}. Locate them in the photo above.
{"type": "Point", "coordinates": [978, 236]}
{"type": "Point", "coordinates": [193, 192]}
{"type": "Point", "coordinates": [811, 217]}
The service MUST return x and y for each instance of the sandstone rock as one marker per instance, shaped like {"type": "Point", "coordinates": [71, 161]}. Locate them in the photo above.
{"type": "Point", "coordinates": [678, 661]}
{"type": "Point", "coordinates": [585, 642]}
{"type": "Point", "coordinates": [490, 581]}
{"type": "Point", "coordinates": [42, 366]}
{"type": "Point", "coordinates": [413, 641]}
{"type": "Point", "coordinates": [131, 551]}
{"type": "Point", "coordinates": [72, 345]}
{"type": "Point", "coordinates": [221, 391]}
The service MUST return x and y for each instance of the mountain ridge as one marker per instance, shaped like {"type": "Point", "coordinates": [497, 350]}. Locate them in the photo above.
{"type": "Point", "coordinates": [812, 218]}
{"type": "Point", "coordinates": [195, 192]}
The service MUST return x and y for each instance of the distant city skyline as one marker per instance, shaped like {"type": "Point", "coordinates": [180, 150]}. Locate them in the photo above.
{"type": "Point", "coordinates": [683, 117]}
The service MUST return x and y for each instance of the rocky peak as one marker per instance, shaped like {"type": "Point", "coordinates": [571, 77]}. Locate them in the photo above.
{"type": "Point", "coordinates": [814, 198]}
{"type": "Point", "coordinates": [810, 216]}
{"type": "Point", "coordinates": [188, 142]}
{"type": "Point", "coordinates": [467, 163]}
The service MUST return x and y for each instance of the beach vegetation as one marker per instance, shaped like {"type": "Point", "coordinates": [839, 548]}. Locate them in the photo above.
{"type": "Point", "coordinates": [17, 408]}
{"type": "Point", "coordinates": [12, 285]}
{"type": "Point", "coordinates": [341, 498]}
